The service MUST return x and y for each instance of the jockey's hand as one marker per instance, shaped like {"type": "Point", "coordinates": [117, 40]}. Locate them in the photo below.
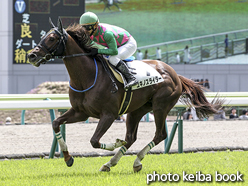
{"type": "Point", "coordinates": [94, 51]}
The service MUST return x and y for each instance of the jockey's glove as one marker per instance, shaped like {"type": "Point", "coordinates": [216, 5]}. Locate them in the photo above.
{"type": "Point", "coordinates": [94, 51]}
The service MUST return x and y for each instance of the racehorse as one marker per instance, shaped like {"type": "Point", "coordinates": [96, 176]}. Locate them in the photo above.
{"type": "Point", "coordinates": [109, 3]}
{"type": "Point", "coordinates": [90, 93]}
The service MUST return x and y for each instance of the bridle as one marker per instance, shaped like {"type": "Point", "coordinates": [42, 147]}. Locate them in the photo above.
{"type": "Point", "coordinates": [57, 50]}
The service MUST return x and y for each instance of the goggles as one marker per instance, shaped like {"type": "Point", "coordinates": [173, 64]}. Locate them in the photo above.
{"type": "Point", "coordinates": [90, 27]}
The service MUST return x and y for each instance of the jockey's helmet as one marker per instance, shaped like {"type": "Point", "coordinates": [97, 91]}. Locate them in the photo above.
{"type": "Point", "coordinates": [88, 20]}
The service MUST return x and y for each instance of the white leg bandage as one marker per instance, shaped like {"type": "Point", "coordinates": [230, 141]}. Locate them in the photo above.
{"type": "Point", "coordinates": [109, 146]}
{"type": "Point", "coordinates": [113, 146]}
{"type": "Point", "coordinates": [142, 153]}
{"type": "Point", "coordinates": [61, 141]}
{"type": "Point", "coordinates": [114, 160]}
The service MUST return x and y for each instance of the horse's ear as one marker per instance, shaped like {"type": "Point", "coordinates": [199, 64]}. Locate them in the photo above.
{"type": "Point", "coordinates": [51, 23]}
{"type": "Point", "coordinates": [60, 25]}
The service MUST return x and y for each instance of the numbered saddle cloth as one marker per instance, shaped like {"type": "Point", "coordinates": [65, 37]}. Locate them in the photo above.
{"type": "Point", "coordinates": [144, 73]}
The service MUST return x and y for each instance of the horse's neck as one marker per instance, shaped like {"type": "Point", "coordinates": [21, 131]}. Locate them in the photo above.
{"type": "Point", "coordinates": [81, 69]}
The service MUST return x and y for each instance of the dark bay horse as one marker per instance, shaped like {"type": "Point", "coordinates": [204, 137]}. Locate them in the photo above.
{"type": "Point", "coordinates": [96, 100]}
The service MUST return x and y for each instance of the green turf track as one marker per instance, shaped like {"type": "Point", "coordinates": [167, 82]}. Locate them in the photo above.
{"type": "Point", "coordinates": [47, 172]}
{"type": "Point", "coordinates": [161, 21]}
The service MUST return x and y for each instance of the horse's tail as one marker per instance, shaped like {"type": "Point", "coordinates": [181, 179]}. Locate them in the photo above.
{"type": "Point", "coordinates": [193, 96]}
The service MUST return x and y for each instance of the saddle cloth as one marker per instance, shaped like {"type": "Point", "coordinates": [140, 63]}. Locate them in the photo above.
{"type": "Point", "coordinates": [144, 73]}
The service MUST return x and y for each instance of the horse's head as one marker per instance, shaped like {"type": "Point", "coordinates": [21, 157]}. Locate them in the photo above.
{"type": "Point", "coordinates": [52, 45]}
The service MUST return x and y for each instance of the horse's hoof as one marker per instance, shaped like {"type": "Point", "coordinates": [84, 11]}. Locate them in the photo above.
{"type": "Point", "coordinates": [137, 169]}
{"type": "Point", "coordinates": [104, 168]}
{"type": "Point", "coordinates": [70, 162]}
{"type": "Point", "coordinates": [121, 142]}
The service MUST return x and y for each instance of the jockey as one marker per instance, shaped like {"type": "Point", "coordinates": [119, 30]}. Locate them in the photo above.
{"type": "Point", "coordinates": [118, 42]}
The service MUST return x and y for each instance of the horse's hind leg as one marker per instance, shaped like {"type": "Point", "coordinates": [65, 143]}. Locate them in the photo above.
{"type": "Point", "coordinates": [117, 7]}
{"type": "Point", "coordinates": [132, 123]}
{"type": "Point", "coordinates": [71, 116]}
{"type": "Point", "coordinates": [160, 110]}
{"type": "Point", "coordinates": [106, 6]}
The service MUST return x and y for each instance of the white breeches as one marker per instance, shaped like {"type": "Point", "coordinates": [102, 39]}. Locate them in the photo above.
{"type": "Point", "coordinates": [124, 51]}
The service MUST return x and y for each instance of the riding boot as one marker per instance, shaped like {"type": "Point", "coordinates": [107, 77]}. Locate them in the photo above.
{"type": "Point", "coordinates": [123, 68]}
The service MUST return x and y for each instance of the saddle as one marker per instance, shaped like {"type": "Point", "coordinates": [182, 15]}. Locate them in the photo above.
{"type": "Point", "coordinates": [144, 73]}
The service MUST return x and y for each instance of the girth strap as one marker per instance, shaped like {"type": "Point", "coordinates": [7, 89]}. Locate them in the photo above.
{"type": "Point", "coordinates": [126, 101]}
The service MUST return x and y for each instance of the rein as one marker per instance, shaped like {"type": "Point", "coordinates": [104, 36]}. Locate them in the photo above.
{"type": "Point", "coordinates": [80, 91]}
{"type": "Point", "coordinates": [74, 55]}
{"type": "Point", "coordinates": [58, 49]}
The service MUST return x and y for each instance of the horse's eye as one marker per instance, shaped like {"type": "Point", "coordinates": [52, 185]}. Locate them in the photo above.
{"type": "Point", "coordinates": [51, 38]}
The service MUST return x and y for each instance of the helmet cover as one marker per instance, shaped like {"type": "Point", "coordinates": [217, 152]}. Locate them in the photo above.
{"type": "Point", "coordinates": [88, 18]}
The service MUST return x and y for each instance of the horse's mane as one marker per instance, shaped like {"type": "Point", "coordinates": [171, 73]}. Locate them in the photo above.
{"type": "Point", "coordinates": [77, 32]}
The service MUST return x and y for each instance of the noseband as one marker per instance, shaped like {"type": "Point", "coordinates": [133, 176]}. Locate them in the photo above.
{"type": "Point", "coordinates": [57, 50]}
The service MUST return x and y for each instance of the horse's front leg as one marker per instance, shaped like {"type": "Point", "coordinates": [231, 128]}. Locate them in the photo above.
{"type": "Point", "coordinates": [104, 123]}
{"type": "Point", "coordinates": [71, 116]}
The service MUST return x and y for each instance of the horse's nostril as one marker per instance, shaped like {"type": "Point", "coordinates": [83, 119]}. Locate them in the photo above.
{"type": "Point", "coordinates": [32, 56]}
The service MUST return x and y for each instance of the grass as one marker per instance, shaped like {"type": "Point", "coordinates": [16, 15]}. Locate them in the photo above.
{"type": "Point", "coordinates": [209, 6]}
{"type": "Point", "coordinates": [162, 21]}
{"type": "Point", "coordinates": [85, 170]}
